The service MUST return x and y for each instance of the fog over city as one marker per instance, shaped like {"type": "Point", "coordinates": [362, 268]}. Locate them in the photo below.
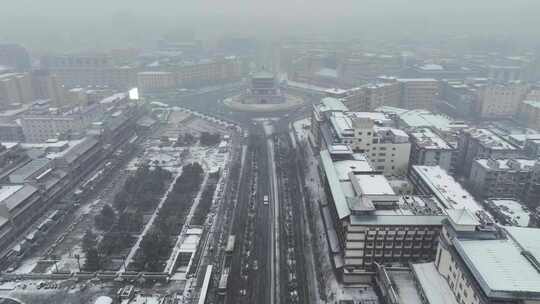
{"type": "Point", "coordinates": [269, 152]}
{"type": "Point", "coordinates": [110, 23]}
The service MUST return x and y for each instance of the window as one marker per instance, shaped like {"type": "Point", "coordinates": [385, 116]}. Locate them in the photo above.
{"type": "Point", "coordinates": [380, 168]}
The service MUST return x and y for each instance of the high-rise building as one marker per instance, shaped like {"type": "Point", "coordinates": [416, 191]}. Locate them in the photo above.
{"type": "Point", "coordinates": [15, 88]}
{"type": "Point", "coordinates": [14, 56]}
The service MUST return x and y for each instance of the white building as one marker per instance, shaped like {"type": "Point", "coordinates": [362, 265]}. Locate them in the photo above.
{"type": "Point", "coordinates": [387, 148]}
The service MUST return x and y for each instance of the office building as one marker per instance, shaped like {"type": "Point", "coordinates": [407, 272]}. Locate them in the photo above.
{"type": "Point", "coordinates": [498, 265]}
{"type": "Point", "coordinates": [367, 223]}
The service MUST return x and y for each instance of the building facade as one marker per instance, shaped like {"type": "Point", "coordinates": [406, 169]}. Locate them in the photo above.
{"type": "Point", "coordinates": [429, 149]}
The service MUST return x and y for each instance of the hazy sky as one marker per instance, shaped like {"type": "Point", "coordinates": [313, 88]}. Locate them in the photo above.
{"type": "Point", "coordinates": [102, 23]}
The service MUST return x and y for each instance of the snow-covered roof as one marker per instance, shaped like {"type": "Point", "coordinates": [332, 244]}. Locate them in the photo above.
{"type": "Point", "coordinates": [513, 210]}
{"type": "Point", "coordinates": [448, 191]}
{"type": "Point", "coordinates": [507, 267]}
{"type": "Point", "coordinates": [490, 140]}
{"type": "Point", "coordinates": [434, 286]}
{"type": "Point", "coordinates": [427, 139]}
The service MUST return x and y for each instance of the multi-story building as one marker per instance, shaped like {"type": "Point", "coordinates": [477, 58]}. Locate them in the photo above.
{"type": "Point", "coordinates": [499, 100]}
{"type": "Point", "coordinates": [97, 70]}
{"type": "Point", "coordinates": [484, 266]}
{"type": "Point", "coordinates": [208, 72]}
{"type": "Point", "coordinates": [47, 86]}
{"type": "Point", "coordinates": [44, 126]}
{"type": "Point", "coordinates": [501, 178]}
{"type": "Point", "coordinates": [509, 212]}
{"type": "Point", "coordinates": [355, 69]}
{"type": "Point", "coordinates": [529, 114]}
{"type": "Point", "coordinates": [367, 223]}
{"type": "Point", "coordinates": [409, 120]}
{"type": "Point", "coordinates": [477, 143]}
{"type": "Point", "coordinates": [14, 56]}
{"type": "Point", "coordinates": [429, 149]}
{"type": "Point", "coordinates": [418, 93]}
{"type": "Point", "coordinates": [364, 132]}
{"type": "Point", "coordinates": [458, 99]}
{"type": "Point", "coordinates": [155, 81]}
{"type": "Point", "coordinates": [369, 97]}
{"type": "Point", "coordinates": [15, 88]}
{"type": "Point", "coordinates": [435, 181]}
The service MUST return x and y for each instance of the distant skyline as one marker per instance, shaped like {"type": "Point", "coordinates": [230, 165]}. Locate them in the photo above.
{"type": "Point", "coordinates": [76, 24]}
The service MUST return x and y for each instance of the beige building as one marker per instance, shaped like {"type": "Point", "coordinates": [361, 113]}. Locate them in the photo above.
{"type": "Point", "coordinates": [372, 96]}
{"type": "Point", "coordinates": [15, 88]}
{"type": "Point", "coordinates": [484, 265]}
{"type": "Point", "coordinates": [500, 100]}
{"type": "Point", "coordinates": [153, 81]}
{"type": "Point", "coordinates": [418, 93]}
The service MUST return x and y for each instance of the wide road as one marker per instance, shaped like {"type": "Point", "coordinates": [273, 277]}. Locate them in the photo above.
{"type": "Point", "coordinates": [249, 278]}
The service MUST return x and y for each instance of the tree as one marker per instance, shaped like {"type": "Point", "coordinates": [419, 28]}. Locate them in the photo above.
{"type": "Point", "coordinates": [209, 139]}
{"type": "Point", "coordinates": [93, 261]}
{"type": "Point", "coordinates": [106, 218]}
{"type": "Point", "coordinates": [89, 241]}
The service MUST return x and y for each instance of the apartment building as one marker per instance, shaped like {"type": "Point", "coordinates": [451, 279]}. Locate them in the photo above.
{"type": "Point", "coordinates": [84, 70]}
{"type": "Point", "coordinates": [529, 114]}
{"type": "Point", "coordinates": [155, 81]}
{"type": "Point", "coordinates": [430, 149]}
{"type": "Point", "coordinates": [507, 178]}
{"type": "Point", "coordinates": [15, 88]}
{"type": "Point", "coordinates": [208, 72]}
{"type": "Point", "coordinates": [502, 178]}
{"type": "Point", "coordinates": [369, 97]}
{"type": "Point", "coordinates": [476, 143]}
{"type": "Point", "coordinates": [497, 100]}
{"type": "Point", "coordinates": [418, 93]}
{"type": "Point", "coordinates": [367, 223]}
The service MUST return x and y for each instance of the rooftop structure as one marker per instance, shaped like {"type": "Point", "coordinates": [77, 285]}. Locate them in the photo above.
{"type": "Point", "coordinates": [433, 180]}
{"type": "Point", "coordinates": [424, 118]}
{"type": "Point", "coordinates": [427, 139]}
{"type": "Point", "coordinates": [509, 212]}
{"type": "Point", "coordinates": [505, 268]}
{"type": "Point", "coordinates": [490, 140]}
{"type": "Point", "coordinates": [30, 169]}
